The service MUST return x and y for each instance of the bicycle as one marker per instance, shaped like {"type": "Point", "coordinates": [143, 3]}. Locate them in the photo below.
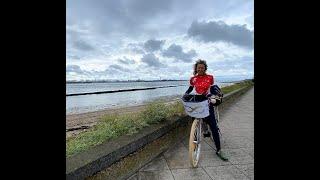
{"type": "Point", "coordinates": [197, 106]}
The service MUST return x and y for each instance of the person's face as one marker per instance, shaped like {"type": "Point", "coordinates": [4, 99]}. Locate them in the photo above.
{"type": "Point", "coordinates": [201, 69]}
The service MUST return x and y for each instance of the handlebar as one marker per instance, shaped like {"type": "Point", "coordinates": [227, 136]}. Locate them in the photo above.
{"type": "Point", "coordinates": [194, 98]}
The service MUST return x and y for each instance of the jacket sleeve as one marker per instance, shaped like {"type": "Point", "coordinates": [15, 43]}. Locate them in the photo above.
{"type": "Point", "coordinates": [189, 90]}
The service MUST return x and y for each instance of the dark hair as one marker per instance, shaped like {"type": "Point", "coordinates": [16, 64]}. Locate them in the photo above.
{"type": "Point", "coordinates": [199, 61]}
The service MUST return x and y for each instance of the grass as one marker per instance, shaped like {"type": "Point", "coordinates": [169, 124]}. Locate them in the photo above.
{"type": "Point", "coordinates": [112, 126]}
{"type": "Point", "coordinates": [236, 86]}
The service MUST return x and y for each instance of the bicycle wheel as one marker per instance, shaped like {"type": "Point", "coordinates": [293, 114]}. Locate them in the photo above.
{"type": "Point", "coordinates": [194, 142]}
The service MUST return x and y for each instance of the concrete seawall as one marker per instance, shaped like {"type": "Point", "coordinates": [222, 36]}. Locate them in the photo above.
{"type": "Point", "coordinates": [123, 156]}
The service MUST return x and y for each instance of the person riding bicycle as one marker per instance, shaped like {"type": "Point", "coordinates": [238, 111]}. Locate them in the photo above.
{"type": "Point", "coordinates": [203, 84]}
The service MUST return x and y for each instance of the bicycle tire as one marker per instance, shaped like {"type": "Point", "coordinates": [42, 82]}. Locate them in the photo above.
{"type": "Point", "coordinates": [194, 142]}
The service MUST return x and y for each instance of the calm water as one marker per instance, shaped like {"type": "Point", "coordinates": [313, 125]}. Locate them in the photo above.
{"type": "Point", "coordinates": [94, 87]}
{"type": "Point", "coordinates": [93, 102]}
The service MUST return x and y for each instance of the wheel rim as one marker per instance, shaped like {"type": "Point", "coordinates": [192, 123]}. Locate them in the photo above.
{"type": "Point", "coordinates": [194, 142]}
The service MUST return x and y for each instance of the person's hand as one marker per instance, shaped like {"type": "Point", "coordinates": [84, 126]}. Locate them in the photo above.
{"type": "Point", "coordinates": [213, 100]}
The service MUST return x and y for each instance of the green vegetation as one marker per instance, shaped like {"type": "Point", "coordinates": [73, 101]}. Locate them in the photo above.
{"type": "Point", "coordinates": [236, 86]}
{"type": "Point", "coordinates": [111, 126]}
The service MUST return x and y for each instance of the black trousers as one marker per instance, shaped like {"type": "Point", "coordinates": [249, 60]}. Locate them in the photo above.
{"type": "Point", "coordinates": [211, 120]}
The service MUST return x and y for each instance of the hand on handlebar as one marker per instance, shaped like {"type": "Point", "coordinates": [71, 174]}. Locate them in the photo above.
{"type": "Point", "coordinates": [213, 100]}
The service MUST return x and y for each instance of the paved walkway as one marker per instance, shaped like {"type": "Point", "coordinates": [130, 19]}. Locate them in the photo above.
{"type": "Point", "coordinates": [237, 128]}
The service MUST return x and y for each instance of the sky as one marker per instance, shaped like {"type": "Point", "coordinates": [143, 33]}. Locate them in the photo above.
{"type": "Point", "coordinates": [152, 40]}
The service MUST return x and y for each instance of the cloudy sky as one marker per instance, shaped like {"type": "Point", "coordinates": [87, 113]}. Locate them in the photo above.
{"type": "Point", "coordinates": [151, 39]}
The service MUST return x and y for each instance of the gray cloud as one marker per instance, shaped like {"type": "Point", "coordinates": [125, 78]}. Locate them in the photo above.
{"type": "Point", "coordinates": [136, 48]}
{"type": "Point", "coordinates": [177, 52]}
{"type": "Point", "coordinates": [245, 62]}
{"type": "Point", "coordinates": [220, 31]}
{"type": "Point", "coordinates": [73, 57]}
{"type": "Point", "coordinates": [110, 71]}
{"type": "Point", "coordinates": [117, 15]}
{"type": "Point", "coordinates": [147, 8]}
{"type": "Point", "coordinates": [120, 68]}
{"type": "Point", "coordinates": [74, 68]}
{"type": "Point", "coordinates": [100, 29]}
{"type": "Point", "coordinates": [153, 45]}
{"type": "Point", "coordinates": [148, 46]}
{"type": "Point", "coordinates": [152, 60]}
{"type": "Point", "coordinates": [132, 17]}
{"type": "Point", "coordinates": [125, 60]}
{"type": "Point", "coordinates": [250, 20]}
{"type": "Point", "coordinates": [82, 45]}
{"type": "Point", "coordinates": [77, 45]}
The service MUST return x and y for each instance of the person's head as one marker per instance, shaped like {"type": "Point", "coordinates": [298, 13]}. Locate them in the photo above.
{"type": "Point", "coordinates": [200, 67]}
